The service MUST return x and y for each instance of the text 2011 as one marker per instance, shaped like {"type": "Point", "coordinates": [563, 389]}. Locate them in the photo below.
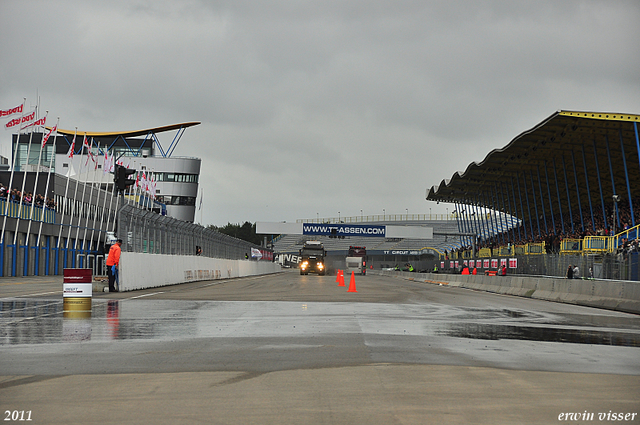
{"type": "Point", "coordinates": [17, 415]}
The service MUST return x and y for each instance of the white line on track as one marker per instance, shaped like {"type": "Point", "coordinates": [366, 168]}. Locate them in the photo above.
{"type": "Point", "coordinates": [146, 295]}
{"type": "Point", "coordinates": [33, 295]}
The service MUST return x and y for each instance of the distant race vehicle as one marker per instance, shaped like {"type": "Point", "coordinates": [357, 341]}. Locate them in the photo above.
{"type": "Point", "coordinates": [356, 260]}
{"type": "Point", "coordinates": [312, 258]}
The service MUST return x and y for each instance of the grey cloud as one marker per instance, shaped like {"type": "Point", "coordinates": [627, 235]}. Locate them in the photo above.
{"type": "Point", "coordinates": [377, 100]}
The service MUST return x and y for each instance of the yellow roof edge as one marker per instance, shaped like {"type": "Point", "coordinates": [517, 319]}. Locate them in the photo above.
{"type": "Point", "coordinates": [132, 133]}
{"type": "Point", "coordinates": [607, 116]}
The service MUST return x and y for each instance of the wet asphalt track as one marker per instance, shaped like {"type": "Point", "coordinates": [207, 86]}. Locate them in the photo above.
{"type": "Point", "coordinates": [291, 324]}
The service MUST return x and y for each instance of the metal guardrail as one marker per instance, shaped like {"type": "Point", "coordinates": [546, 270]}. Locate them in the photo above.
{"type": "Point", "coordinates": [587, 246]}
{"type": "Point", "coordinates": [571, 246]}
{"type": "Point", "coordinates": [24, 211]}
{"type": "Point", "coordinates": [148, 232]}
{"type": "Point", "coordinates": [595, 244]}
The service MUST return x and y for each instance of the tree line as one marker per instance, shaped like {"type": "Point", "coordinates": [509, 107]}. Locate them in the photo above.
{"type": "Point", "coordinates": [246, 231]}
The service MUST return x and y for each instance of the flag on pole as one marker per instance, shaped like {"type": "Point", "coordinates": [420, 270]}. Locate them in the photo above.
{"type": "Point", "coordinates": [143, 182]}
{"type": "Point", "coordinates": [11, 111]}
{"type": "Point", "coordinates": [30, 117]}
{"type": "Point", "coordinates": [72, 147]}
{"type": "Point", "coordinates": [46, 138]}
{"type": "Point", "coordinates": [153, 187]}
{"type": "Point", "coordinates": [85, 144]}
{"type": "Point", "coordinates": [105, 163]}
{"type": "Point", "coordinates": [38, 123]}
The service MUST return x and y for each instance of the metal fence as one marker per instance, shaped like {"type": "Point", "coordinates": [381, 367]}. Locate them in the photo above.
{"type": "Point", "coordinates": [600, 266]}
{"type": "Point", "coordinates": [148, 232]}
{"type": "Point", "coordinates": [609, 266]}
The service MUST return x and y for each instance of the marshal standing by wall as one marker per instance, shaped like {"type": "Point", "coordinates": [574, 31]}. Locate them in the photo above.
{"type": "Point", "coordinates": [113, 263]}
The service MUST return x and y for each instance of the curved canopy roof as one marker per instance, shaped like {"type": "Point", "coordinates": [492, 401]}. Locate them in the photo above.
{"type": "Point", "coordinates": [133, 133]}
{"type": "Point", "coordinates": [570, 158]}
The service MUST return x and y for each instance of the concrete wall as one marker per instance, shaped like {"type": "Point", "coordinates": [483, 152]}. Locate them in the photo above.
{"type": "Point", "coordinates": [609, 294]}
{"type": "Point", "coordinates": [140, 271]}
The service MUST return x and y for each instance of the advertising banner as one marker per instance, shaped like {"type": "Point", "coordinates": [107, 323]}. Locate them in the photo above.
{"type": "Point", "coordinates": [343, 230]}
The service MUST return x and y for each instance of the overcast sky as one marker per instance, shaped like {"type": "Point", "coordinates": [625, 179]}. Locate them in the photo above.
{"type": "Point", "coordinates": [314, 108]}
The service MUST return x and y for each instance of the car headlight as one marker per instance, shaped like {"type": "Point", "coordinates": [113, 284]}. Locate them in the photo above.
{"type": "Point", "coordinates": [320, 265]}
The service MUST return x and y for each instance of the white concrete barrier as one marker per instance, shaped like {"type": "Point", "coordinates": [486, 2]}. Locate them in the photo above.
{"type": "Point", "coordinates": [140, 271]}
{"type": "Point", "coordinates": [609, 294]}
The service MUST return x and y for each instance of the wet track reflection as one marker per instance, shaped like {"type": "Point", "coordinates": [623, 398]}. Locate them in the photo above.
{"type": "Point", "coordinates": [35, 321]}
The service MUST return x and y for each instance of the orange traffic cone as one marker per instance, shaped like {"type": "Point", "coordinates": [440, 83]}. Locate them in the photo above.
{"type": "Point", "coordinates": [341, 278]}
{"type": "Point", "coordinates": [338, 276]}
{"type": "Point", "coordinates": [352, 284]}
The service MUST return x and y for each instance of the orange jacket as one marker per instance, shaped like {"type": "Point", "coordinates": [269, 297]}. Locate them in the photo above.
{"type": "Point", "coordinates": [114, 255]}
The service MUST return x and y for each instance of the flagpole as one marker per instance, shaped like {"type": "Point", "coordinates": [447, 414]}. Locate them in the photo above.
{"type": "Point", "coordinates": [135, 202]}
{"type": "Point", "coordinates": [75, 195]}
{"type": "Point", "coordinates": [46, 189]}
{"type": "Point", "coordinates": [24, 180]}
{"type": "Point", "coordinates": [35, 184]}
{"type": "Point", "coordinates": [115, 210]}
{"type": "Point", "coordinates": [106, 168]}
{"type": "Point", "coordinates": [111, 165]}
{"type": "Point", "coordinates": [65, 199]}
{"type": "Point", "coordinates": [13, 167]}
{"type": "Point", "coordinates": [84, 189]}
{"type": "Point", "coordinates": [93, 188]}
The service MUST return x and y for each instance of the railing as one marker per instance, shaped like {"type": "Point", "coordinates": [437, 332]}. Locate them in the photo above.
{"type": "Point", "coordinates": [571, 246]}
{"type": "Point", "coordinates": [625, 234]}
{"type": "Point", "coordinates": [597, 244]}
{"type": "Point", "coordinates": [505, 250]}
{"type": "Point", "coordinates": [588, 245]}
{"type": "Point", "coordinates": [147, 232]}
{"type": "Point", "coordinates": [22, 211]}
{"type": "Point", "coordinates": [534, 248]}
{"type": "Point", "coordinates": [378, 218]}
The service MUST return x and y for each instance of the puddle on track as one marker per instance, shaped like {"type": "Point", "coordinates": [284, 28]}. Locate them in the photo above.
{"type": "Point", "coordinates": [43, 322]}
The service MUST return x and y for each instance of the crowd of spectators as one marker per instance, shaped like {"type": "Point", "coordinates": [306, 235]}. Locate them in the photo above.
{"type": "Point", "coordinates": [628, 246]}
{"type": "Point", "coordinates": [26, 198]}
{"type": "Point", "coordinates": [553, 237]}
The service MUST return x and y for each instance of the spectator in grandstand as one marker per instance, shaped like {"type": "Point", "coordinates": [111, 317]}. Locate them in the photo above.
{"type": "Point", "coordinates": [3, 191]}
{"type": "Point", "coordinates": [570, 272]}
{"type": "Point", "coordinates": [15, 195]}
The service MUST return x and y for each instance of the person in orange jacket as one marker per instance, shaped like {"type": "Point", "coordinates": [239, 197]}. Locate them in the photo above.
{"type": "Point", "coordinates": [113, 264]}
